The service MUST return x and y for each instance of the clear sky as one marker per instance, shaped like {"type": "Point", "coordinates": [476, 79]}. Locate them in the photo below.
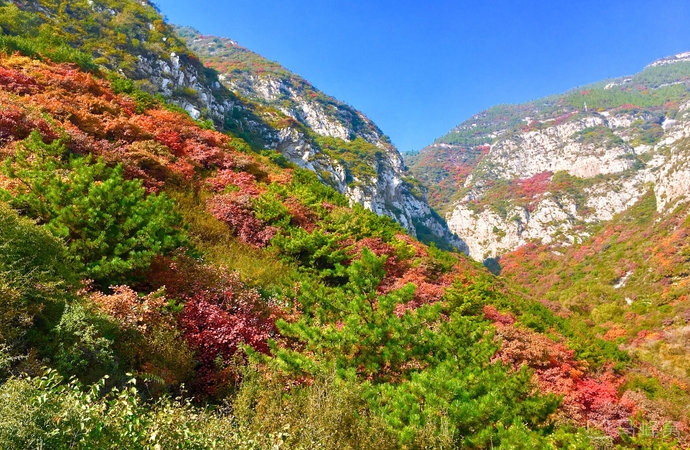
{"type": "Point", "coordinates": [418, 68]}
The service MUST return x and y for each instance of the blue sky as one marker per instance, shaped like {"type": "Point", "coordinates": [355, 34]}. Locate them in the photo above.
{"type": "Point", "coordinates": [418, 68]}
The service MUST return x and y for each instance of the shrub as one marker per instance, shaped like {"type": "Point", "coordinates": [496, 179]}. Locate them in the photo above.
{"type": "Point", "coordinates": [417, 371]}
{"type": "Point", "coordinates": [112, 228]}
{"type": "Point", "coordinates": [51, 412]}
{"type": "Point", "coordinates": [34, 277]}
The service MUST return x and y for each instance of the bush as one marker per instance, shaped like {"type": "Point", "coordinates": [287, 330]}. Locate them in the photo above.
{"type": "Point", "coordinates": [421, 374]}
{"type": "Point", "coordinates": [112, 228]}
{"type": "Point", "coordinates": [50, 412]}
{"type": "Point", "coordinates": [34, 278]}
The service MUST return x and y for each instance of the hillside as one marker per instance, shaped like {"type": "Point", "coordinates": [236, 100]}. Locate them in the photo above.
{"type": "Point", "coordinates": [630, 281]}
{"type": "Point", "coordinates": [339, 143]}
{"type": "Point", "coordinates": [132, 39]}
{"type": "Point", "coordinates": [581, 200]}
{"type": "Point", "coordinates": [164, 284]}
{"type": "Point", "coordinates": [555, 169]}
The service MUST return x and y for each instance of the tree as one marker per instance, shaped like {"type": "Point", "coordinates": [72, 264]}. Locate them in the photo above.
{"type": "Point", "coordinates": [110, 225]}
{"type": "Point", "coordinates": [419, 369]}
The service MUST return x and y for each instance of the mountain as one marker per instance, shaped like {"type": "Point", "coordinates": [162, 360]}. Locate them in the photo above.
{"type": "Point", "coordinates": [138, 44]}
{"type": "Point", "coordinates": [581, 200]}
{"type": "Point", "coordinates": [165, 284]}
{"type": "Point", "coordinates": [257, 78]}
{"type": "Point", "coordinates": [555, 169]}
{"type": "Point", "coordinates": [346, 149]}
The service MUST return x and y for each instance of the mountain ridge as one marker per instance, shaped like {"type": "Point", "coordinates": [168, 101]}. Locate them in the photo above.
{"type": "Point", "coordinates": [604, 129]}
{"type": "Point", "coordinates": [392, 192]}
{"type": "Point", "coordinates": [167, 284]}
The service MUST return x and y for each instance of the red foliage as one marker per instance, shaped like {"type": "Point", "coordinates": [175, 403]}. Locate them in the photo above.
{"type": "Point", "coordinates": [531, 188]}
{"type": "Point", "coordinates": [586, 399]}
{"type": "Point", "coordinates": [227, 177]}
{"type": "Point", "coordinates": [17, 82]}
{"type": "Point", "coordinates": [221, 314]}
{"type": "Point", "coordinates": [130, 309]}
{"type": "Point", "coordinates": [218, 325]}
{"type": "Point", "coordinates": [16, 124]}
{"type": "Point", "coordinates": [105, 124]}
{"type": "Point", "coordinates": [236, 211]}
{"type": "Point", "coordinates": [492, 314]}
{"type": "Point", "coordinates": [302, 216]}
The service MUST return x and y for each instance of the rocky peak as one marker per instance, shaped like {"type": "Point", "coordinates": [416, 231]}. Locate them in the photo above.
{"type": "Point", "coordinates": [680, 57]}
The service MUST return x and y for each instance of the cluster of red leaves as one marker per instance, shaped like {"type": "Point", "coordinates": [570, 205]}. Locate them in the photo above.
{"type": "Point", "coordinates": [217, 326]}
{"type": "Point", "coordinates": [532, 187]}
{"type": "Point", "coordinates": [587, 399]}
{"type": "Point", "coordinates": [495, 316]}
{"type": "Point", "coordinates": [420, 271]}
{"type": "Point", "coordinates": [130, 309]}
{"type": "Point", "coordinates": [17, 124]}
{"type": "Point", "coordinates": [17, 82]}
{"type": "Point", "coordinates": [236, 209]}
{"type": "Point", "coordinates": [220, 316]}
{"type": "Point", "coordinates": [246, 182]}
{"type": "Point", "coordinates": [301, 216]}
{"type": "Point", "coordinates": [154, 146]}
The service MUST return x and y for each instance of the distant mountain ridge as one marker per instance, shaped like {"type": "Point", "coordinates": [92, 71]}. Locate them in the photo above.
{"type": "Point", "coordinates": [554, 168]}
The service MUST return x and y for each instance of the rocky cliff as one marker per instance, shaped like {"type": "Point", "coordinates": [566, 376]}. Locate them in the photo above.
{"type": "Point", "coordinates": [132, 39]}
{"type": "Point", "coordinates": [346, 149]}
{"type": "Point", "coordinates": [553, 170]}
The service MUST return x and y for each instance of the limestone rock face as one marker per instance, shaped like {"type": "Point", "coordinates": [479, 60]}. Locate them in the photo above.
{"type": "Point", "coordinates": [552, 170]}
{"type": "Point", "coordinates": [304, 113]}
{"type": "Point", "coordinates": [614, 178]}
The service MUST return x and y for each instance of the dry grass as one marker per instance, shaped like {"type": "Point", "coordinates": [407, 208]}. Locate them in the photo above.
{"type": "Point", "coordinates": [214, 238]}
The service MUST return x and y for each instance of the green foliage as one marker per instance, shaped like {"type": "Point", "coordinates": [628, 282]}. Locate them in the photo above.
{"type": "Point", "coordinates": [327, 413]}
{"type": "Point", "coordinates": [35, 277]}
{"type": "Point", "coordinates": [358, 156]}
{"type": "Point", "coordinates": [417, 371]}
{"type": "Point", "coordinates": [111, 226]}
{"type": "Point", "coordinates": [359, 223]}
{"type": "Point", "coordinates": [277, 158]}
{"type": "Point", "coordinates": [307, 187]}
{"type": "Point", "coordinates": [269, 208]}
{"type": "Point", "coordinates": [51, 412]}
{"type": "Point", "coordinates": [600, 136]}
{"type": "Point", "coordinates": [316, 251]}
{"type": "Point", "coordinates": [470, 298]}
{"type": "Point", "coordinates": [142, 99]}
{"type": "Point", "coordinates": [80, 347]}
{"type": "Point", "coordinates": [21, 32]}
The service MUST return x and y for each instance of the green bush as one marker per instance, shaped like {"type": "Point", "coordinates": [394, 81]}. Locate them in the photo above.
{"type": "Point", "coordinates": [423, 376]}
{"type": "Point", "coordinates": [35, 278]}
{"type": "Point", "coordinates": [111, 226]}
{"type": "Point", "coordinates": [21, 32]}
{"type": "Point", "coordinates": [51, 412]}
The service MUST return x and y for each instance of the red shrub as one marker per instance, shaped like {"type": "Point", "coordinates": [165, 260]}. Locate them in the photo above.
{"type": "Point", "coordinates": [217, 326]}
{"type": "Point", "coordinates": [236, 211]}
{"type": "Point", "coordinates": [17, 82]}
{"type": "Point", "coordinates": [130, 309]}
